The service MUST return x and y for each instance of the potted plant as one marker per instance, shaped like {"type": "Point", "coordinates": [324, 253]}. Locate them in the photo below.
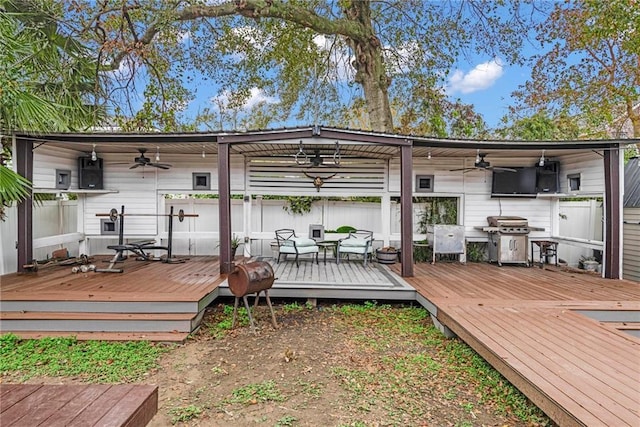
{"type": "Point", "coordinates": [589, 263]}
{"type": "Point", "coordinates": [235, 242]}
{"type": "Point", "coordinates": [387, 255]}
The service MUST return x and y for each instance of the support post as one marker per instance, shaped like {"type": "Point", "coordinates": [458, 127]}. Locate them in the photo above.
{"type": "Point", "coordinates": [224, 207]}
{"type": "Point", "coordinates": [613, 212]}
{"type": "Point", "coordinates": [24, 166]}
{"type": "Point", "coordinates": [406, 210]}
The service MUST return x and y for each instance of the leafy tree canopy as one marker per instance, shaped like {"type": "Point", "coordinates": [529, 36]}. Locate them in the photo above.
{"type": "Point", "coordinates": [592, 68]}
{"type": "Point", "coordinates": [378, 64]}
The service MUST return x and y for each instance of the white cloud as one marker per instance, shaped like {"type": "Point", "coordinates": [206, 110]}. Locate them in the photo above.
{"type": "Point", "coordinates": [256, 97]}
{"type": "Point", "coordinates": [184, 36]}
{"type": "Point", "coordinates": [339, 57]}
{"type": "Point", "coordinates": [481, 77]}
{"type": "Point", "coordinates": [124, 71]}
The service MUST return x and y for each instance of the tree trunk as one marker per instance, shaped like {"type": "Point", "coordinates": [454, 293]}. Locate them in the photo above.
{"type": "Point", "coordinates": [370, 69]}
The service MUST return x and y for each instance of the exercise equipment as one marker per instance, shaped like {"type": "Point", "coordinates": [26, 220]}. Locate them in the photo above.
{"type": "Point", "coordinates": [36, 265]}
{"type": "Point", "coordinates": [141, 248]}
{"type": "Point", "coordinates": [114, 214]}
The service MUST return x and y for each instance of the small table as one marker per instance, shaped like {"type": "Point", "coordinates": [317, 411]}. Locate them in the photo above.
{"type": "Point", "coordinates": [548, 249]}
{"type": "Point", "coordinates": [326, 244]}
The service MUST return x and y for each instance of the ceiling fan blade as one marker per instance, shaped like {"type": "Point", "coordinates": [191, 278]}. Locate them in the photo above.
{"type": "Point", "coordinates": [461, 169]}
{"type": "Point", "coordinates": [160, 165]}
{"type": "Point", "coordinates": [136, 165]}
{"type": "Point", "coordinates": [502, 169]}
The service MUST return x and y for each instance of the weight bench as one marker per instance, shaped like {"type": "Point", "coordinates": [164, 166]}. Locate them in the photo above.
{"type": "Point", "coordinates": [139, 248]}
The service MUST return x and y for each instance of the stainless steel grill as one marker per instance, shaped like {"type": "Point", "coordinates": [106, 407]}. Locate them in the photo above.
{"type": "Point", "coordinates": [508, 239]}
{"type": "Point", "coordinates": [507, 225]}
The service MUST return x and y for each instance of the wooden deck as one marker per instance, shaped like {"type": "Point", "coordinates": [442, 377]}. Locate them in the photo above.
{"type": "Point", "coordinates": [165, 302]}
{"type": "Point", "coordinates": [347, 280]}
{"type": "Point", "coordinates": [149, 300]}
{"type": "Point", "coordinates": [565, 339]}
{"type": "Point", "coordinates": [33, 405]}
{"type": "Point", "coordinates": [560, 337]}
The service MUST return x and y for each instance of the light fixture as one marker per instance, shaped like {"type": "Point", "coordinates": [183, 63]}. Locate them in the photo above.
{"type": "Point", "coordinates": [157, 154]}
{"type": "Point", "coordinates": [429, 155]}
{"type": "Point", "coordinates": [478, 156]}
{"type": "Point", "coordinates": [203, 153]}
{"type": "Point", "coordinates": [541, 161]}
{"type": "Point", "coordinates": [94, 156]}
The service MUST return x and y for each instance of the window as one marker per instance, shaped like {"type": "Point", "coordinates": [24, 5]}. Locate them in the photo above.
{"type": "Point", "coordinates": [63, 179]}
{"type": "Point", "coordinates": [316, 232]}
{"type": "Point", "coordinates": [201, 181]}
{"type": "Point", "coordinates": [424, 184]}
{"type": "Point", "coordinates": [573, 181]}
{"type": "Point", "coordinates": [109, 227]}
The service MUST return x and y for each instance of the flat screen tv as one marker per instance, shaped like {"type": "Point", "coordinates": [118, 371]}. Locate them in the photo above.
{"type": "Point", "coordinates": [521, 183]}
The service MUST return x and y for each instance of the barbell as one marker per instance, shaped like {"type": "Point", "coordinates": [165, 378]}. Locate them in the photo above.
{"type": "Point", "coordinates": [114, 214]}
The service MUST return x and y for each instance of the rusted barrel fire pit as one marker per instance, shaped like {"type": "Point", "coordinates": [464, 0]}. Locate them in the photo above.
{"type": "Point", "coordinates": [251, 278]}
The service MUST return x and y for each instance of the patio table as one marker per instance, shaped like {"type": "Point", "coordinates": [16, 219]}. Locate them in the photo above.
{"type": "Point", "coordinates": [326, 244]}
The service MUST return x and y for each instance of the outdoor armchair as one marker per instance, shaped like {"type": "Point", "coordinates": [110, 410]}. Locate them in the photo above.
{"type": "Point", "coordinates": [358, 242]}
{"type": "Point", "coordinates": [290, 244]}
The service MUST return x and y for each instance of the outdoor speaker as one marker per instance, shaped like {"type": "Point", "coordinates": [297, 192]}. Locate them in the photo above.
{"type": "Point", "coordinates": [89, 173]}
{"type": "Point", "coordinates": [547, 178]}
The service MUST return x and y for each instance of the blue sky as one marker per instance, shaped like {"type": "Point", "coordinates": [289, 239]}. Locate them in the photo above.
{"type": "Point", "coordinates": [487, 83]}
{"type": "Point", "coordinates": [488, 86]}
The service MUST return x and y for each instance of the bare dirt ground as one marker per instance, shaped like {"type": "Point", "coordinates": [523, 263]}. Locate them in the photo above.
{"type": "Point", "coordinates": [321, 367]}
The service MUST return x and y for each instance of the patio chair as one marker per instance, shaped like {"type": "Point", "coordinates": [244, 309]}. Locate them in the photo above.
{"type": "Point", "coordinates": [357, 242]}
{"type": "Point", "coordinates": [290, 244]}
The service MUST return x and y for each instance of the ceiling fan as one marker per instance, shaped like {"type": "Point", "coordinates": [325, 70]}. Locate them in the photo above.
{"type": "Point", "coordinates": [482, 164]}
{"type": "Point", "coordinates": [142, 160]}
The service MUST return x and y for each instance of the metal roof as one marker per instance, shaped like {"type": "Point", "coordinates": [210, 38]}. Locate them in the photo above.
{"type": "Point", "coordinates": [282, 141]}
{"type": "Point", "coordinates": [632, 183]}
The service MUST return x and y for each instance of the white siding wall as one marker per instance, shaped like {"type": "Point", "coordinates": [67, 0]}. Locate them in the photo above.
{"type": "Point", "coordinates": [591, 170]}
{"type": "Point", "coordinates": [474, 189]}
{"type": "Point", "coordinates": [180, 177]}
{"type": "Point", "coordinates": [45, 162]}
{"type": "Point", "coordinates": [631, 248]}
{"type": "Point", "coordinates": [141, 190]}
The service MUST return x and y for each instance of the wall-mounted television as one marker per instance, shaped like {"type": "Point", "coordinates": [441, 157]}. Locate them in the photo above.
{"type": "Point", "coordinates": [521, 183]}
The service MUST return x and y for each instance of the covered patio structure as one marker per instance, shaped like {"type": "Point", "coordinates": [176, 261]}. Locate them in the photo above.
{"type": "Point", "coordinates": [283, 162]}
{"type": "Point", "coordinates": [565, 339]}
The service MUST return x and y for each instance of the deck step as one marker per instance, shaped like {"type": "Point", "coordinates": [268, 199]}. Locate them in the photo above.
{"type": "Point", "coordinates": [15, 321]}
{"type": "Point", "coordinates": [625, 325]}
{"type": "Point", "coordinates": [106, 336]}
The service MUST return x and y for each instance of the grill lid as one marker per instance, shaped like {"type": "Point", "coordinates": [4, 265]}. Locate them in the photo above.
{"type": "Point", "coordinates": [507, 221]}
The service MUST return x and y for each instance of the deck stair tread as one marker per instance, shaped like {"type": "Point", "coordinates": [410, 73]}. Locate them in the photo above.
{"type": "Point", "coordinates": [51, 315]}
{"type": "Point", "coordinates": [107, 336]}
{"type": "Point", "coordinates": [633, 326]}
